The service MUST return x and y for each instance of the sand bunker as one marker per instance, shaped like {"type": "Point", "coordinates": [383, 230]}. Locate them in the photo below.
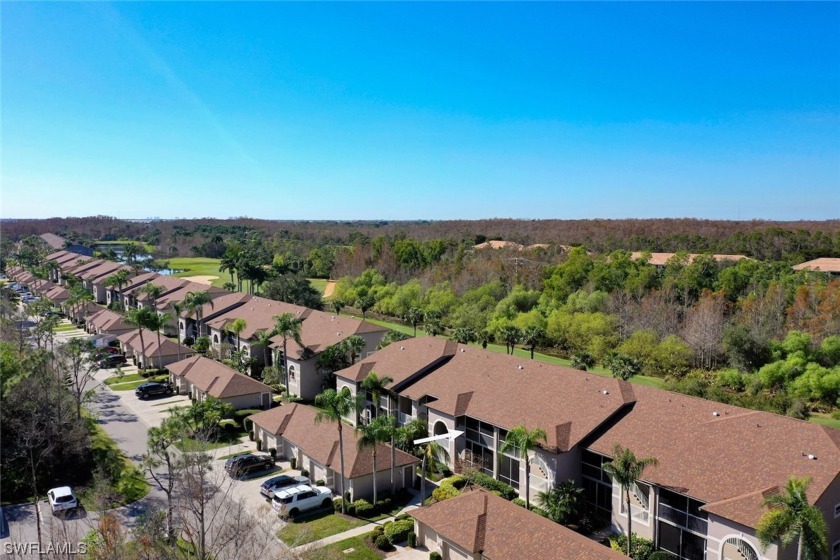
{"type": "Point", "coordinates": [328, 290]}
{"type": "Point", "coordinates": [202, 279]}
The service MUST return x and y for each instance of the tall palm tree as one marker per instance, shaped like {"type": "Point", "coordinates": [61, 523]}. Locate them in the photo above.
{"type": "Point", "coordinates": [376, 385]}
{"type": "Point", "coordinates": [141, 318]}
{"type": "Point", "coordinates": [288, 327]}
{"type": "Point", "coordinates": [262, 338]}
{"type": "Point", "coordinates": [355, 346]}
{"type": "Point", "coordinates": [520, 441]}
{"type": "Point", "coordinates": [371, 435]}
{"type": "Point", "coordinates": [414, 317]}
{"type": "Point", "coordinates": [626, 470]}
{"type": "Point", "coordinates": [236, 327]}
{"type": "Point", "coordinates": [531, 337]}
{"type": "Point", "coordinates": [789, 517]}
{"type": "Point", "coordinates": [335, 406]}
{"type": "Point", "coordinates": [510, 334]}
{"type": "Point", "coordinates": [433, 455]}
{"type": "Point", "coordinates": [154, 291]}
{"type": "Point", "coordinates": [118, 280]}
{"type": "Point", "coordinates": [194, 303]}
{"type": "Point", "coordinates": [157, 321]}
{"type": "Point", "coordinates": [177, 308]}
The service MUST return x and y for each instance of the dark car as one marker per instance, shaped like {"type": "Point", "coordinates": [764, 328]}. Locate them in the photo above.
{"type": "Point", "coordinates": [152, 389]}
{"type": "Point", "coordinates": [277, 483]}
{"type": "Point", "coordinates": [111, 360]}
{"type": "Point", "coordinates": [246, 464]}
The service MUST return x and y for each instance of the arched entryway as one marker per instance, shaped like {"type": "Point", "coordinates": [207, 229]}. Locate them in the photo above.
{"type": "Point", "coordinates": [440, 428]}
{"type": "Point", "coordinates": [735, 548]}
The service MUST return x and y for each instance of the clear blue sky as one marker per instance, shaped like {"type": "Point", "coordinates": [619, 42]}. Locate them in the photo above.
{"type": "Point", "coordinates": [421, 110]}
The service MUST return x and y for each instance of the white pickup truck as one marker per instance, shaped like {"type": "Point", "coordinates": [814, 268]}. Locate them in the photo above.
{"type": "Point", "coordinates": [298, 499]}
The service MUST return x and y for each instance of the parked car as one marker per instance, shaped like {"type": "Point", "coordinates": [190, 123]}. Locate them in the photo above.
{"type": "Point", "coordinates": [152, 389]}
{"type": "Point", "coordinates": [246, 464]}
{"type": "Point", "coordinates": [112, 360]}
{"type": "Point", "coordinates": [300, 499]}
{"type": "Point", "coordinates": [277, 483]}
{"type": "Point", "coordinates": [62, 499]}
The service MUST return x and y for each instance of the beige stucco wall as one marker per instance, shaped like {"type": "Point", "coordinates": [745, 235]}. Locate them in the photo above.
{"type": "Point", "coordinates": [721, 529]}
{"type": "Point", "coordinates": [245, 401]}
{"type": "Point", "coordinates": [427, 537]}
{"type": "Point", "coordinates": [828, 502]}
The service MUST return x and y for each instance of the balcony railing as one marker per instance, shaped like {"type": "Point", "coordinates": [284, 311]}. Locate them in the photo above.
{"type": "Point", "coordinates": [639, 513]}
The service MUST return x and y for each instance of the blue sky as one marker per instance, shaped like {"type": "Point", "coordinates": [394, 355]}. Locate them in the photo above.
{"type": "Point", "coordinates": [421, 110]}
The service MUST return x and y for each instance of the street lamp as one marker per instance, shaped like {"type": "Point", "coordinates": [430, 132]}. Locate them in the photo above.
{"type": "Point", "coordinates": [450, 436]}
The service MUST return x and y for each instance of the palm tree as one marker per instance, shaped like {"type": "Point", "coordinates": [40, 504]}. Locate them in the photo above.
{"type": "Point", "coordinates": [433, 320]}
{"type": "Point", "coordinates": [463, 335]}
{"type": "Point", "coordinates": [371, 435]}
{"type": "Point", "coordinates": [141, 318]}
{"type": "Point", "coordinates": [236, 327]}
{"type": "Point", "coordinates": [154, 291]}
{"type": "Point", "coordinates": [156, 323]}
{"type": "Point", "coordinates": [262, 338]}
{"type": "Point", "coordinates": [338, 305]}
{"type": "Point", "coordinates": [288, 327]}
{"type": "Point", "coordinates": [194, 303]}
{"type": "Point", "coordinates": [519, 441]}
{"type": "Point", "coordinates": [355, 345]}
{"type": "Point", "coordinates": [531, 337]}
{"type": "Point", "coordinates": [510, 334]}
{"type": "Point", "coordinates": [789, 517]}
{"type": "Point", "coordinates": [177, 308]}
{"type": "Point", "coordinates": [336, 405]}
{"type": "Point", "coordinates": [626, 470]}
{"type": "Point", "coordinates": [118, 280]}
{"type": "Point", "coordinates": [376, 386]}
{"type": "Point", "coordinates": [434, 455]}
{"type": "Point", "coordinates": [414, 317]}
{"type": "Point", "coordinates": [364, 303]}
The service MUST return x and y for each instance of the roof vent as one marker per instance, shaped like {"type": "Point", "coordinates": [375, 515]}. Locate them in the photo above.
{"type": "Point", "coordinates": [520, 367]}
{"type": "Point", "coordinates": [605, 392]}
{"type": "Point", "coordinates": [402, 347]}
{"type": "Point", "coordinates": [715, 413]}
{"type": "Point", "coordinates": [810, 456]}
{"type": "Point", "coordinates": [462, 350]}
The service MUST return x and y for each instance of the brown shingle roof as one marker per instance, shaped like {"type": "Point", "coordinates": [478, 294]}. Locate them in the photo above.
{"type": "Point", "coordinates": [480, 522]}
{"type": "Point", "coordinates": [661, 259]}
{"type": "Point", "coordinates": [297, 424]}
{"type": "Point", "coordinates": [53, 240]}
{"type": "Point", "coordinates": [104, 268]}
{"type": "Point", "coordinates": [320, 330]}
{"type": "Point", "coordinates": [509, 391]}
{"type": "Point", "coordinates": [823, 265]}
{"type": "Point", "coordinates": [258, 313]}
{"type": "Point", "coordinates": [168, 283]}
{"type": "Point", "coordinates": [177, 295]}
{"type": "Point", "coordinates": [167, 347]}
{"type": "Point", "coordinates": [400, 361]}
{"type": "Point", "coordinates": [222, 304]}
{"type": "Point", "coordinates": [136, 282]}
{"type": "Point", "coordinates": [57, 255]}
{"type": "Point", "coordinates": [76, 268]}
{"type": "Point", "coordinates": [216, 379]}
{"type": "Point", "coordinates": [723, 459]}
{"type": "Point", "coordinates": [109, 321]}
{"type": "Point", "coordinates": [58, 294]}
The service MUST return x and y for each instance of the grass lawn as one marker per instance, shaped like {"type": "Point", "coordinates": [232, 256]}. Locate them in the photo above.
{"type": "Point", "coordinates": [124, 379]}
{"type": "Point", "coordinates": [361, 550]}
{"type": "Point", "coordinates": [224, 439]}
{"type": "Point", "coordinates": [199, 266]}
{"type": "Point", "coordinates": [309, 528]}
{"type": "Point", "coordinates": [319, 284]}
{"type": "Point", "coordinates": [65, 328]}
{"type": "Point", "coordinates": [526, 354]}
{"type": "Point", "coordinates": [131, 385]}
{"type": "Point", "coordinates": [131, 483]}
{"type": "Point", "coordinates": [825, 420]}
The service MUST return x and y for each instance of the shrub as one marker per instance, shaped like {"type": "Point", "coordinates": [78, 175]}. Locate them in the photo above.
{"type": "Point", "coordinates": [402, 516]}
{"type": "Point", "coordinates": [245, 412]}
{"type": "Point", "coordinates": [320, 482]}
{"type": "Point", "coordinates": [350, 508]}
{"type": "Point", "coordinates": [498, 487]}
{"type": "Point", "coordinates": [378, 530]}
{"type": "Point", "coordinates": [273, 452]}
{"type": "Point", "coordinates": [434, 555]}
{"type": "Point", "coordinates": [519, 501]}
{"type": "Point", "coordinates": [337, 504]}
{"type": "Point", "coordinates": [444, 492]}
{"type": "Point", "coordinates": [642, 549]}
{"type": "Point", "coordinates": [412, 539]}
{"type": "Point", "coordinates": [293, 462]}
{"type": "Point", "coordinates": [363, 507]}
{"type": "Point", "coordinates": [189, 341]}
{"type": "Point", "coordinates": [382, 543]}
{"type": "Point", "coordinates": [383, 505]}
{"type": "Point", "coordinates": [458, 481]}
{"type": "Point", "coordinates": [304, 472]}
{"type": "Point", "coordinates": [397, 531]}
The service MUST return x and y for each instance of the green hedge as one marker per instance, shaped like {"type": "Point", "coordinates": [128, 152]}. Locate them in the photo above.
{"type": "Point", "coordinates": [397, 531]}
{"type": "Point", "coordinates": [444, 492]}
{"type": "Point", "coordinates": [506, 491]}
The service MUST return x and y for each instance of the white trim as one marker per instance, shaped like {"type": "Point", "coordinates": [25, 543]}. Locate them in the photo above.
{"type": "Point", "coordinates": [741, 536]}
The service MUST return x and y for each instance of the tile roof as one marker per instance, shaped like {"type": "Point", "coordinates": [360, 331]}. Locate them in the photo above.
{"type": "Point", "coordinates": [321, 329]}
{"type": "Point", "coordinates": [401, 361]}
{"type": "Point", "coordinates": [661, 259]}
{"type": "Point", "coordinates": [722, 454]}
{"type": "Point", "coordinates": [167, 347]}
{"type": "Point", "coordinates": [509, 391]}
{"type": "Point", "coordinates": [481, 522]}
{"type": "Point", "coordinates": [217, 379]}
{"type": "Point", "coordinates": [258, 313]}
{"type": "Point", "coordinates": [823, 265]}
{"type": "Point", "coordinates": [109, 321]}
{"type": "Point", "coordinates": [296, 423]}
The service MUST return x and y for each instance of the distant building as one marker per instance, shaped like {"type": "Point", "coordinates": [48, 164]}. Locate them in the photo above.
{"type": "Point", "coordinates": [59, 243]}
{"type": "Point", "coordinates": [830, 266]}
{"type": "Point", "coordinates": [660, 260]}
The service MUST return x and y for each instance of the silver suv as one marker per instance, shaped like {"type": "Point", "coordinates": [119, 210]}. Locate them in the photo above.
{"type": "Point", "coordinates": [299, 499]}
